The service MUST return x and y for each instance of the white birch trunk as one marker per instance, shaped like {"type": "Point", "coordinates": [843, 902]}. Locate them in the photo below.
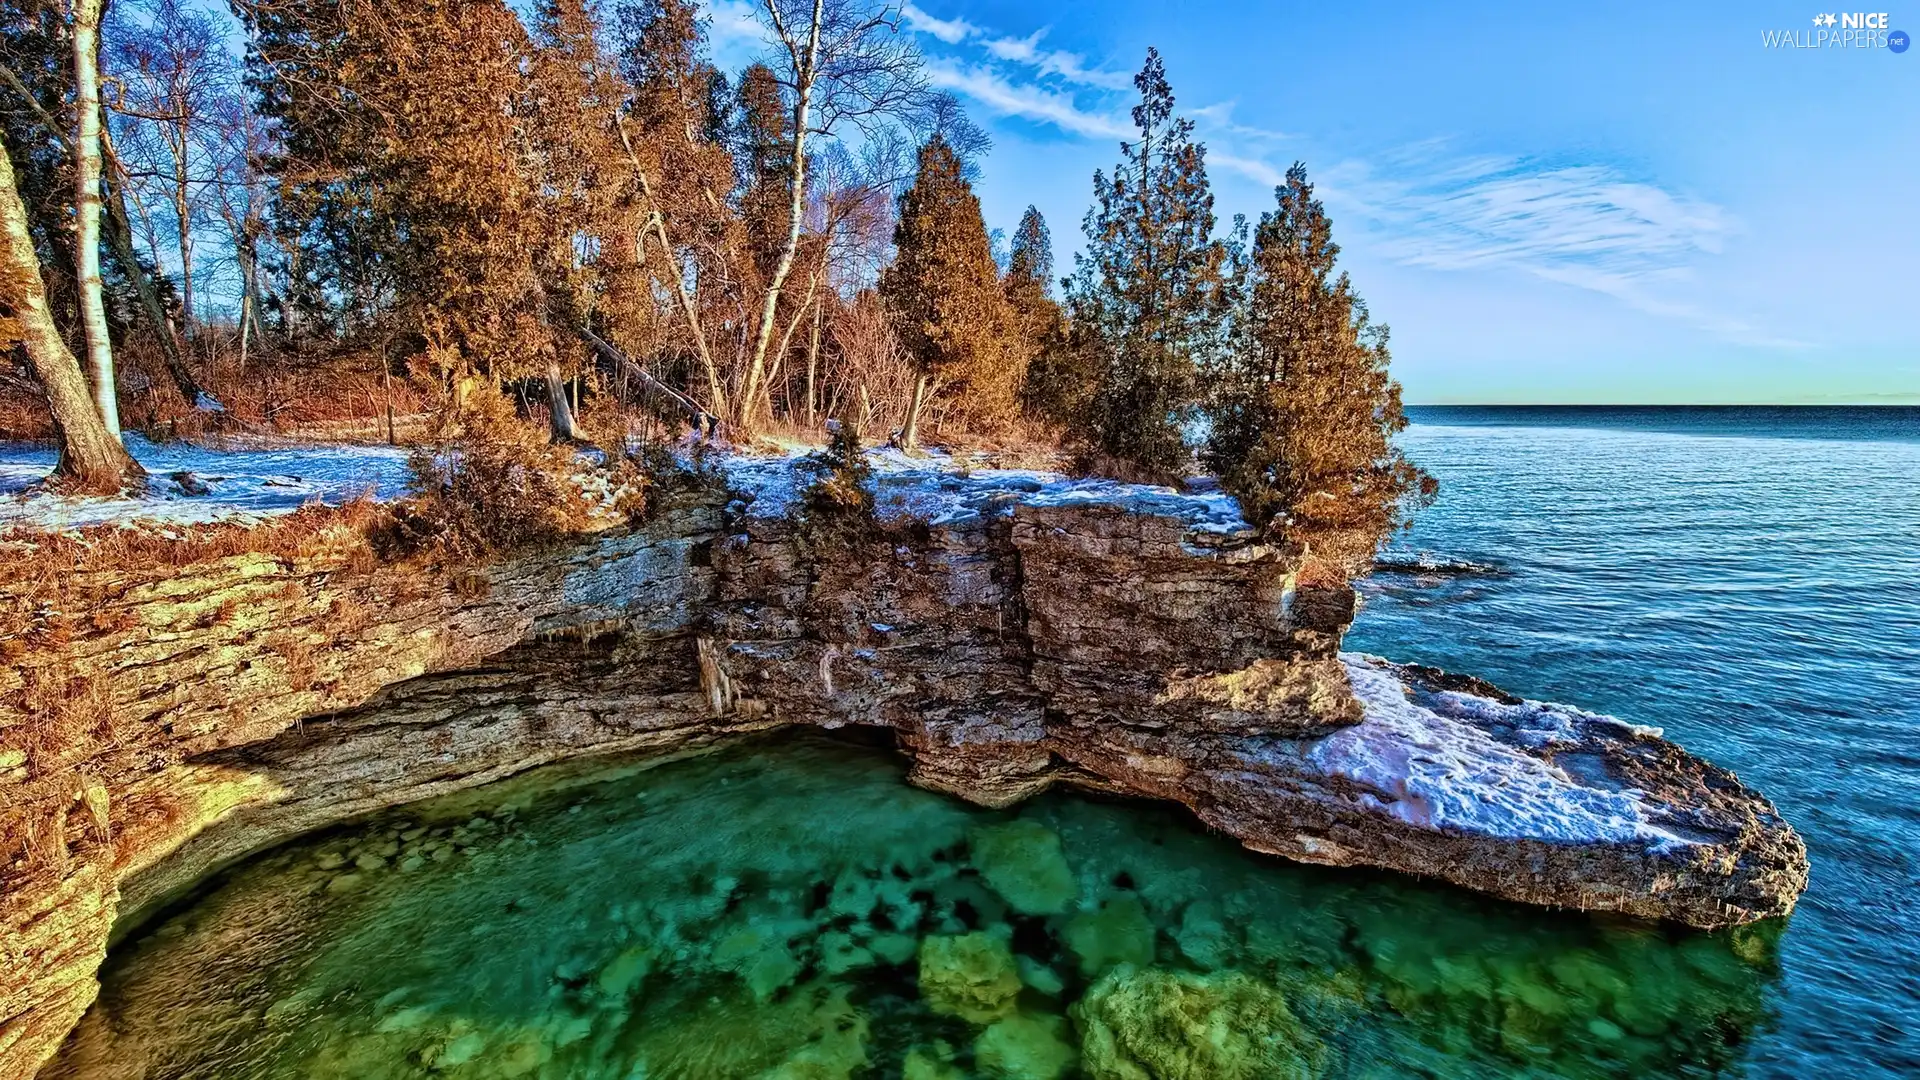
{"type": "Point", "coordinates": [86, 204]}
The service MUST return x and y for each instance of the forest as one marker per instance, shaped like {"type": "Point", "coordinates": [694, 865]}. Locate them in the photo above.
{"type": "Point", "coordinates": [566, 226]}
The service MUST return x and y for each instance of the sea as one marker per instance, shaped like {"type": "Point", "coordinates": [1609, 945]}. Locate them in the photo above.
{"type": "Point", "coordinates": [1747, 579]}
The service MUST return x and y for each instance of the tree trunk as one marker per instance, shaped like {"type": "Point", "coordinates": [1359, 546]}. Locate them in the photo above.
{"type": "Point", "coordinates": [805, 72]}
{"type": "Point", "coordinates": [717, 396]}
{"type": "Point", "coordinates": [910, 430]}
{"type": "Point", "coordinates": [558, 411]}
{"type": "Point", "coordinates": [91, 458]}
{"type": "Point", "coordinates": [183, 220]}
{"type": "Point", "coordinates": [120, 238]}
{"type": "Point", "coordinates": [86, 205]}
{"type": "Point", "coordinates": [813, 365]}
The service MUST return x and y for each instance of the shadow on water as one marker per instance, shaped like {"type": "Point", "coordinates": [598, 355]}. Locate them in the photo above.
{"type": "Point", "coordinates": [790, 908]}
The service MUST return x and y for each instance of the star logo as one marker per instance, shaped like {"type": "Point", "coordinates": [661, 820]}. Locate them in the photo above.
{"type": "Point", "coordinates": [1831, 20]}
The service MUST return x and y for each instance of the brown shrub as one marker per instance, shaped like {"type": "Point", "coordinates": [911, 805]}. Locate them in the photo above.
{"type": "Point", "coordinates": [489, 484]}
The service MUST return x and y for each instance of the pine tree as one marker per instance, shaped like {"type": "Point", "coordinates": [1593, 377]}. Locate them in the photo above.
{"type": "Point", "coordinates": [764, 155]}
{"type": "Point", "coordinates": [1305, 412]}
{"type": "Point", "coordinates": [1032, 252]}
{"type": "Point", "coordinates": [406, 170]}
{"type": "Point", "coordinates": [1146, 297]}
{"type": "Point", "coordinates": [943, 295]}
{"type": "Point", "coordinates": [1055, 385]}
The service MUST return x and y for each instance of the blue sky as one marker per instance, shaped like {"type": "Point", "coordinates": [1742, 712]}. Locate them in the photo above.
{"type": "Point", "coordinates": [1548, 202]}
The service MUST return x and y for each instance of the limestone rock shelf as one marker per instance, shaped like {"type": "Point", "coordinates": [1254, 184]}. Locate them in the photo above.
{"type": "Point", "coordinates": [1013, 630]}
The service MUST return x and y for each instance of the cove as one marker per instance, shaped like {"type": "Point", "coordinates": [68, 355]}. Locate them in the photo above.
{"type": "Point", "coordinates": [789, 906]}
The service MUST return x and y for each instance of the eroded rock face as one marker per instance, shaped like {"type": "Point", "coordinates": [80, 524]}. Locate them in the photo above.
{"type": "Point", "coordinates": [1011, 639]}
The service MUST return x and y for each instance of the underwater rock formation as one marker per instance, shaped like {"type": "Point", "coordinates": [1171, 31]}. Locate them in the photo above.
{"type": "Point", "coordinates": [1165, 1025]}
{"type": "Point", "coordinates": [1013, 631]}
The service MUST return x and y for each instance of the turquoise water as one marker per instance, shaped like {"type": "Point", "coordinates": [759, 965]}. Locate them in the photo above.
{"type": "Point", "coordinates": [1747, 579]}
{"type": "Point", "coordinates": [789, 908]}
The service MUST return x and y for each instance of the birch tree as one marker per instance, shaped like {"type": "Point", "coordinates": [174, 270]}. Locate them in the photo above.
{"type": "Point", "coordinates": [85, 17]}
{"type": "Point", "coordinates": [839, 62]}
{"type": "Point", "coordinates": [91, 458]}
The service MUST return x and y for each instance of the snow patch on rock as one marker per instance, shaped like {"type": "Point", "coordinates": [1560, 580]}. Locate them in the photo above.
{"type": "Point", "coordinates": [1439, 768]}
{"type": "Point", "coordinates": [941, 490]}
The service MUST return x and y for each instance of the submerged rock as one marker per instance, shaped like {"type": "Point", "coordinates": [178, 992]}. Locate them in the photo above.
{"type": "Point", "coordinates": [1024, 1047]}
{"type": "Point", "coordinates": [1115, 933]}
{"type": "Point", "coordinates": [972, 976]}
{"type": "Point", "coordinates": [1153, 1024]}
{"type": "Point", "coordinates": [1023, 862]}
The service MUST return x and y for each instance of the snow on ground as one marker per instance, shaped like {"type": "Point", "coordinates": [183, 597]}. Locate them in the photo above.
{"type": "Point", "coordinates": [240, 484]}
{"type": "Point", "coordinates": [250, 483]}
{"type": "Point", "coordinates": [1441, 769]}
{"type": "Point", "coordinates": [944, 491]}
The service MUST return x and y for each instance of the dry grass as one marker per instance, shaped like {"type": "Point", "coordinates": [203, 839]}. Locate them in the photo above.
{"type": "Point", "coordinates": [489, 484]}
{"type": "Point", "coordinates": [41, 570]}
{"type": "Point", "coordinates": [67, 717]}
{"type": "Point", "coordinates": [299, 669]}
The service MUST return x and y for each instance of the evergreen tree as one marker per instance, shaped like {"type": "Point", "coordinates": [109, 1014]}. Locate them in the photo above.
{"type": "Point", "coordinates": [1304, 415]}
{"type": "Point", "coordinates": [943, 295]}
{"type": "Point", "coordinates": [1146, 296]}
{"type": "Point", "coordinates": [335, 237]}
{"type": "Point", "coordinates": [406, 169]}
{"type": "Point", "coordinates": [1055, 384]}
{"type": "Point", "coordinates": [763, 153]}
{"type": "Point", "coordinates": [1032, 253]}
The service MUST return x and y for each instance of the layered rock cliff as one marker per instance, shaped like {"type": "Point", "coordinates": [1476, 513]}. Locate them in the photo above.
{"type": "Point", "coordinates": [1013, 631]}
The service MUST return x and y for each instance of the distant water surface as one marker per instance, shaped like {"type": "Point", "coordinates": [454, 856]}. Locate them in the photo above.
{"type": "Point", "coordinates": [1747, 579]}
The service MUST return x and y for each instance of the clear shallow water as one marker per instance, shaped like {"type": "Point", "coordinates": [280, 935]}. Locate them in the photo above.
{"type": "Point", "coordinates": [1747, 579]}
{"type": "Point", "coordinates": [791, 909]}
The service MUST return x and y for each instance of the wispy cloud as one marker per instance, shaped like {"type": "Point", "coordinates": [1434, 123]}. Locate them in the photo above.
{"type": "Point", "coordinates": [952, 31]}
{"type": "Point", "coordinates": [1254, 169]}
{"type": "Point", "coordinates": [1068, 66]}
{"type": "Point", "coordinates": [733, 27]}
{"type": "Point", "coordinates": [1028, 101]}
{"type": "Point", "coordinates": [1586, 226]}
{"type": "Point", "coordinates": [1218, 117]}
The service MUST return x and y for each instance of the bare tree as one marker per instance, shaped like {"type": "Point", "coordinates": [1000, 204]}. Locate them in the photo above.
{"type": "Point", "coordinates": [871, 377]}
{"type": "Point", "coordinates": [86, 204]}
{"type": "Point", "coordinates": [91, 456]}
{"type": "Point", "coordinates": [839, 62]}
{"type": "Point", "coordinates": [173, 71]}
{"type": "Point", "coordinates": [241, 200]}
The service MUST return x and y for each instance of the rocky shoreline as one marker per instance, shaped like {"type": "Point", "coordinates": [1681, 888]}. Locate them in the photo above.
{"type": "Point", "coordinates": [1013, 630]}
